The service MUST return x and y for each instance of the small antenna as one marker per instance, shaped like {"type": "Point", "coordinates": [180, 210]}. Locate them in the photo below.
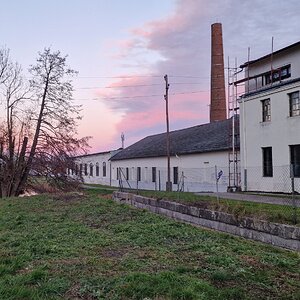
{"type": "Point", "coordinates": [122, 139]}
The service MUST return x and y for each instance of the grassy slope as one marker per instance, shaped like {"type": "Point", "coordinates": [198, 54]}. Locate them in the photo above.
{"type": "Point", "coordinates": [72, 247]}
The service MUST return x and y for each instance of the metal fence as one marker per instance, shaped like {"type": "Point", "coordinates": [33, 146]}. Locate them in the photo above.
{"type": "Point", "coordinates": [280, 186]}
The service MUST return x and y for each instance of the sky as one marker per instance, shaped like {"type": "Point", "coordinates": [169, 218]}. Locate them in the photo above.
{"type": "Point", "coordinates": [123, 48]}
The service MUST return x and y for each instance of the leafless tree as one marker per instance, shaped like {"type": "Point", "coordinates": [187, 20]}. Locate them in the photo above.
{"type": "Point", "coordinates": [38, 133]}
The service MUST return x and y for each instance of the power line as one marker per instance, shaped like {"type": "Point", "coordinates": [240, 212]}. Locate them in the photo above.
{"type": "Point", "coordinates": [137, 85]}
{"type": "Point", "coordinates": [138, 76]}
{"type": "Point", "coordinates": [143, 96]}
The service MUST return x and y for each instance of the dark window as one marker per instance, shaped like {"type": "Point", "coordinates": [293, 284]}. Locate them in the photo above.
{"type": "Point", "coordinates": [118, 173]}
{"type": "Point", "coordinates": [76, 169]}
{"type": "Point", "coordinates": [80, 169]}
{"type": "Point", "coordinates": [266, 110]}
{"type": "Point", "coordinates": [175, 175]}
{"type": "Point", "coordinates": [294, 104]}
{"type": "Point", "coordinates": [295, 159]}
{"type": "Point", "coordinates": [85, 170]}
{"type": "Point", "coordinates": [267, 162]}
{"type": "Point", "coordinates": [97, 169]}
{"type": "Point", "coordinates": [278, 74]}
{"type": "Point", "coordinates": [127, 173]}
{"type": "Point", "coordinates": [104, 169]}
{"type": "Point", "coordinates": [138, 175]}
{"type": "Point", "coordinates": [91, 170]}
{"type": "Point", "coordinates": [153, 174]}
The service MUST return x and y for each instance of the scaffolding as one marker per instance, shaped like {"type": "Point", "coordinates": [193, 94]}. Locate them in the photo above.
{"type": "Point", "coordinates": [234, 176]}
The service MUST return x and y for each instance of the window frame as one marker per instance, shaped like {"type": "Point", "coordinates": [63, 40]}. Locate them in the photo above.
{"type": "Point", "coordinates": [175, 175]}
{"type": "Point", "coordinates": [267, 161]}
{"type": "Point", "coordinates": [296, 111]}
{"type": "Point", "coordinates": [91, 170]}
{"type": "Point", "coordinates": [295, 160]}
{"type": "Point", "coordinates": [266, 110]}
{"type": "Point", "coordinates": [97, 170]}
{"type": "Point", "coordinates": [138, 173]}
{"type": "Point", "coordinates": [104, 169]}
{"type": "Point", "coordinates": [153, 174]}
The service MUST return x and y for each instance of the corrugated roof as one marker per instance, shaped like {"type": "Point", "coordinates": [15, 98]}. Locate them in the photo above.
{"type": "Point", "coordinates": [209, 137]}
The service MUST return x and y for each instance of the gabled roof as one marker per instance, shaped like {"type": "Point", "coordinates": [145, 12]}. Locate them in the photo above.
{"type": "Point", "coordinates": [98, 153]}
{"type": "Point", "coordinates": [209, 137]}
{"type": "Point", "coordinates": [269, 55]}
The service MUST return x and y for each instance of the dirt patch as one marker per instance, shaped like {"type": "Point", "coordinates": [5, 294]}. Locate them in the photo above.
{"type": "Point", "coordinates": [107, 196]}
{"type": "Point", "coordinates": [253, 262]}
{"type": "Point", "coordinates": [114, 253]}
{"type": "Point", "coordinates": [68, 197]}
{"type": "Point", "coordinates": [74, 293]}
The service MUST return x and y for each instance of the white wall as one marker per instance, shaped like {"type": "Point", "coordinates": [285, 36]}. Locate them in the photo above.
{"type": "Point", "coordinates": [279, 133]}
{"type": "Point", "coordinates": [290, 56]}
{"type": "Point", "coordinates": [198, 171]}
{"type": "Point", "coordinates": [93, 159]}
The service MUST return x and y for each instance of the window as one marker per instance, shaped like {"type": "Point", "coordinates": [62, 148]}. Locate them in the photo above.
{"type": "Point", "coordinates": [278, 74]}
{"type": "Point", "coordinates": [127, 173]}
{"type": "Point", "coordinates": [295, 159]}
{"type": "Point", "coordinates": [294, 104]}
{"type": "Point", "coordinates": [118, 173]}
{"type": "Point", "coordinates": [267, 162]}
{"type": "Point", "coordinates": [80, 169]}
{"type": "Point", "coordinates": [76, 169]}
{"type": "Point", "coordinates": [138, 174]}
{"type": "Point", "coordinates": [91, 170]}
{"type": "Point", "coordinates": [175, 175]}
{"type": "Point", "coordinates": [97, 169]}
{"type": "Point", "coordinates": [104, 169]}
{"type": "Point", "coordinates": [85, 170]}
{"type": "Point", "coordinates": [266, 110]}
{"type": "Point", "coordinates": [153, 174]}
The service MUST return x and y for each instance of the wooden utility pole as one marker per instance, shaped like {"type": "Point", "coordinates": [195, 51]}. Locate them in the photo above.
{"type": "Point", "coordinates": [169, 183]}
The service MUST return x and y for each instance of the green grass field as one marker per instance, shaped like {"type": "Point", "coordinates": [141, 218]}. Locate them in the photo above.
{"type": "Point", "coordinates": [73, 246]}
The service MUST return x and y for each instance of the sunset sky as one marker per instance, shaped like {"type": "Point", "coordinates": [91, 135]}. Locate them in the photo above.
{"type": "Point", "coordinates": [123, 48]}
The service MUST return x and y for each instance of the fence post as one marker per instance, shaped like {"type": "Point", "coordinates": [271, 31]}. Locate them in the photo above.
{"type": "Point", "coordinates": [217, 185]}
{"type": "Point", "coordinates": [293, 194]}
{"type": "Point", "coordinates": [159, 187]}
{"type": "Point", "coordinates": [245, 180]}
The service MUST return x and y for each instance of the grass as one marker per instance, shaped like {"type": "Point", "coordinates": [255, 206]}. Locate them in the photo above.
{"type": "Point", "coordinates": [270, 212]}
{"type": "Point", "coordinates": [73, 246]}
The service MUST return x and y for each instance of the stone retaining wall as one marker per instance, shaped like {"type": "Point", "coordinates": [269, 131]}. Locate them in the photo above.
{"type": "Point", "coordinates": [280, 235]}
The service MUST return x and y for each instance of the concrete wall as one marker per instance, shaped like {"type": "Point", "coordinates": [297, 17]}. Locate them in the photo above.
{"type": "Point", "coordinates": [278, 133]}
{"type": "Point", "coordinates": [198, 171]}
{"type": "Point", "coordinates": [280, 235]}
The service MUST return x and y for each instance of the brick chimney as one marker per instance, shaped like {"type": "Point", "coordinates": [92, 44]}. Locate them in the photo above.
{"type": "Point", "coordinates": [217, 89]}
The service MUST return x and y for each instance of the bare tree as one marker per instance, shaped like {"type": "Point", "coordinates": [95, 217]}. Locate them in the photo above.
{"type": "Point", "coordinates": [38, 136]}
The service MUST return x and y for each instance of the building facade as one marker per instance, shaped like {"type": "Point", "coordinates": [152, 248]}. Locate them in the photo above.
{"type": "Point", "coordinates": [270, 122]}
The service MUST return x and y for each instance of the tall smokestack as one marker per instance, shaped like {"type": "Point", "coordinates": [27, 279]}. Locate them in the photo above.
{"type": "Point", "coordinates": [217, 90]}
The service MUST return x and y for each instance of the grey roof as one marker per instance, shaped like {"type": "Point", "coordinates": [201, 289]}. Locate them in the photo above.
{"type": "Point", "coordinates": [209, 137]}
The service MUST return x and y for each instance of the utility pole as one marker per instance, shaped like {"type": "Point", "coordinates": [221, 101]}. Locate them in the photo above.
{"type": "Point", "coordinates": [122, 139]}
{"type": "Point", "coordinates": [169, 183]}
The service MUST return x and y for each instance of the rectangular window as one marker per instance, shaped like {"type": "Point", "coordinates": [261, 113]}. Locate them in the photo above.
{"type": "Point", "coordinates": [294, 104]}
{"type": "Point", "coordinates": [85, 170]}
{"type": "Point", "coordinates": [97, 169]}
{"type": "Point", "coordinates": [266, 110]}
{"type": "Point", "coordinates": [175, 175]}
{"type": "Point", "coordinates": [118, 174]}
{"type": "Point", "coordinates": [153, 174]}
{"type": "Point", "coordinates": [104, 169]}
{"type": "Point", "coordinates": [80, 169]}
{"type": "Point", "coordinates": [278, 74]}
{"type": "Point", "coordinates": [127, 173]}
{"type": "Point", "coordinates": [91, 170]}
{"type": "Point", "coordinates": [295, 159]}
{"type": "Point", "coordinates": [267, 162]}
{"type": "Point", "coordinates": [138, 174]}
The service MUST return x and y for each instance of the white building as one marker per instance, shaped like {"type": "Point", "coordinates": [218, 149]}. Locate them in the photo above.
{"type": "Point", "coordinates": [270, 122]}
{"type": "Point", "coordinates": [94, 168]}
{"type": "Point", "coordinates": [199, 154]}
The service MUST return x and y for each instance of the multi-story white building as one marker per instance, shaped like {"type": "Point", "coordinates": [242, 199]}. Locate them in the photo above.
{"type": "Point", "coordinates": [270, 122]}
